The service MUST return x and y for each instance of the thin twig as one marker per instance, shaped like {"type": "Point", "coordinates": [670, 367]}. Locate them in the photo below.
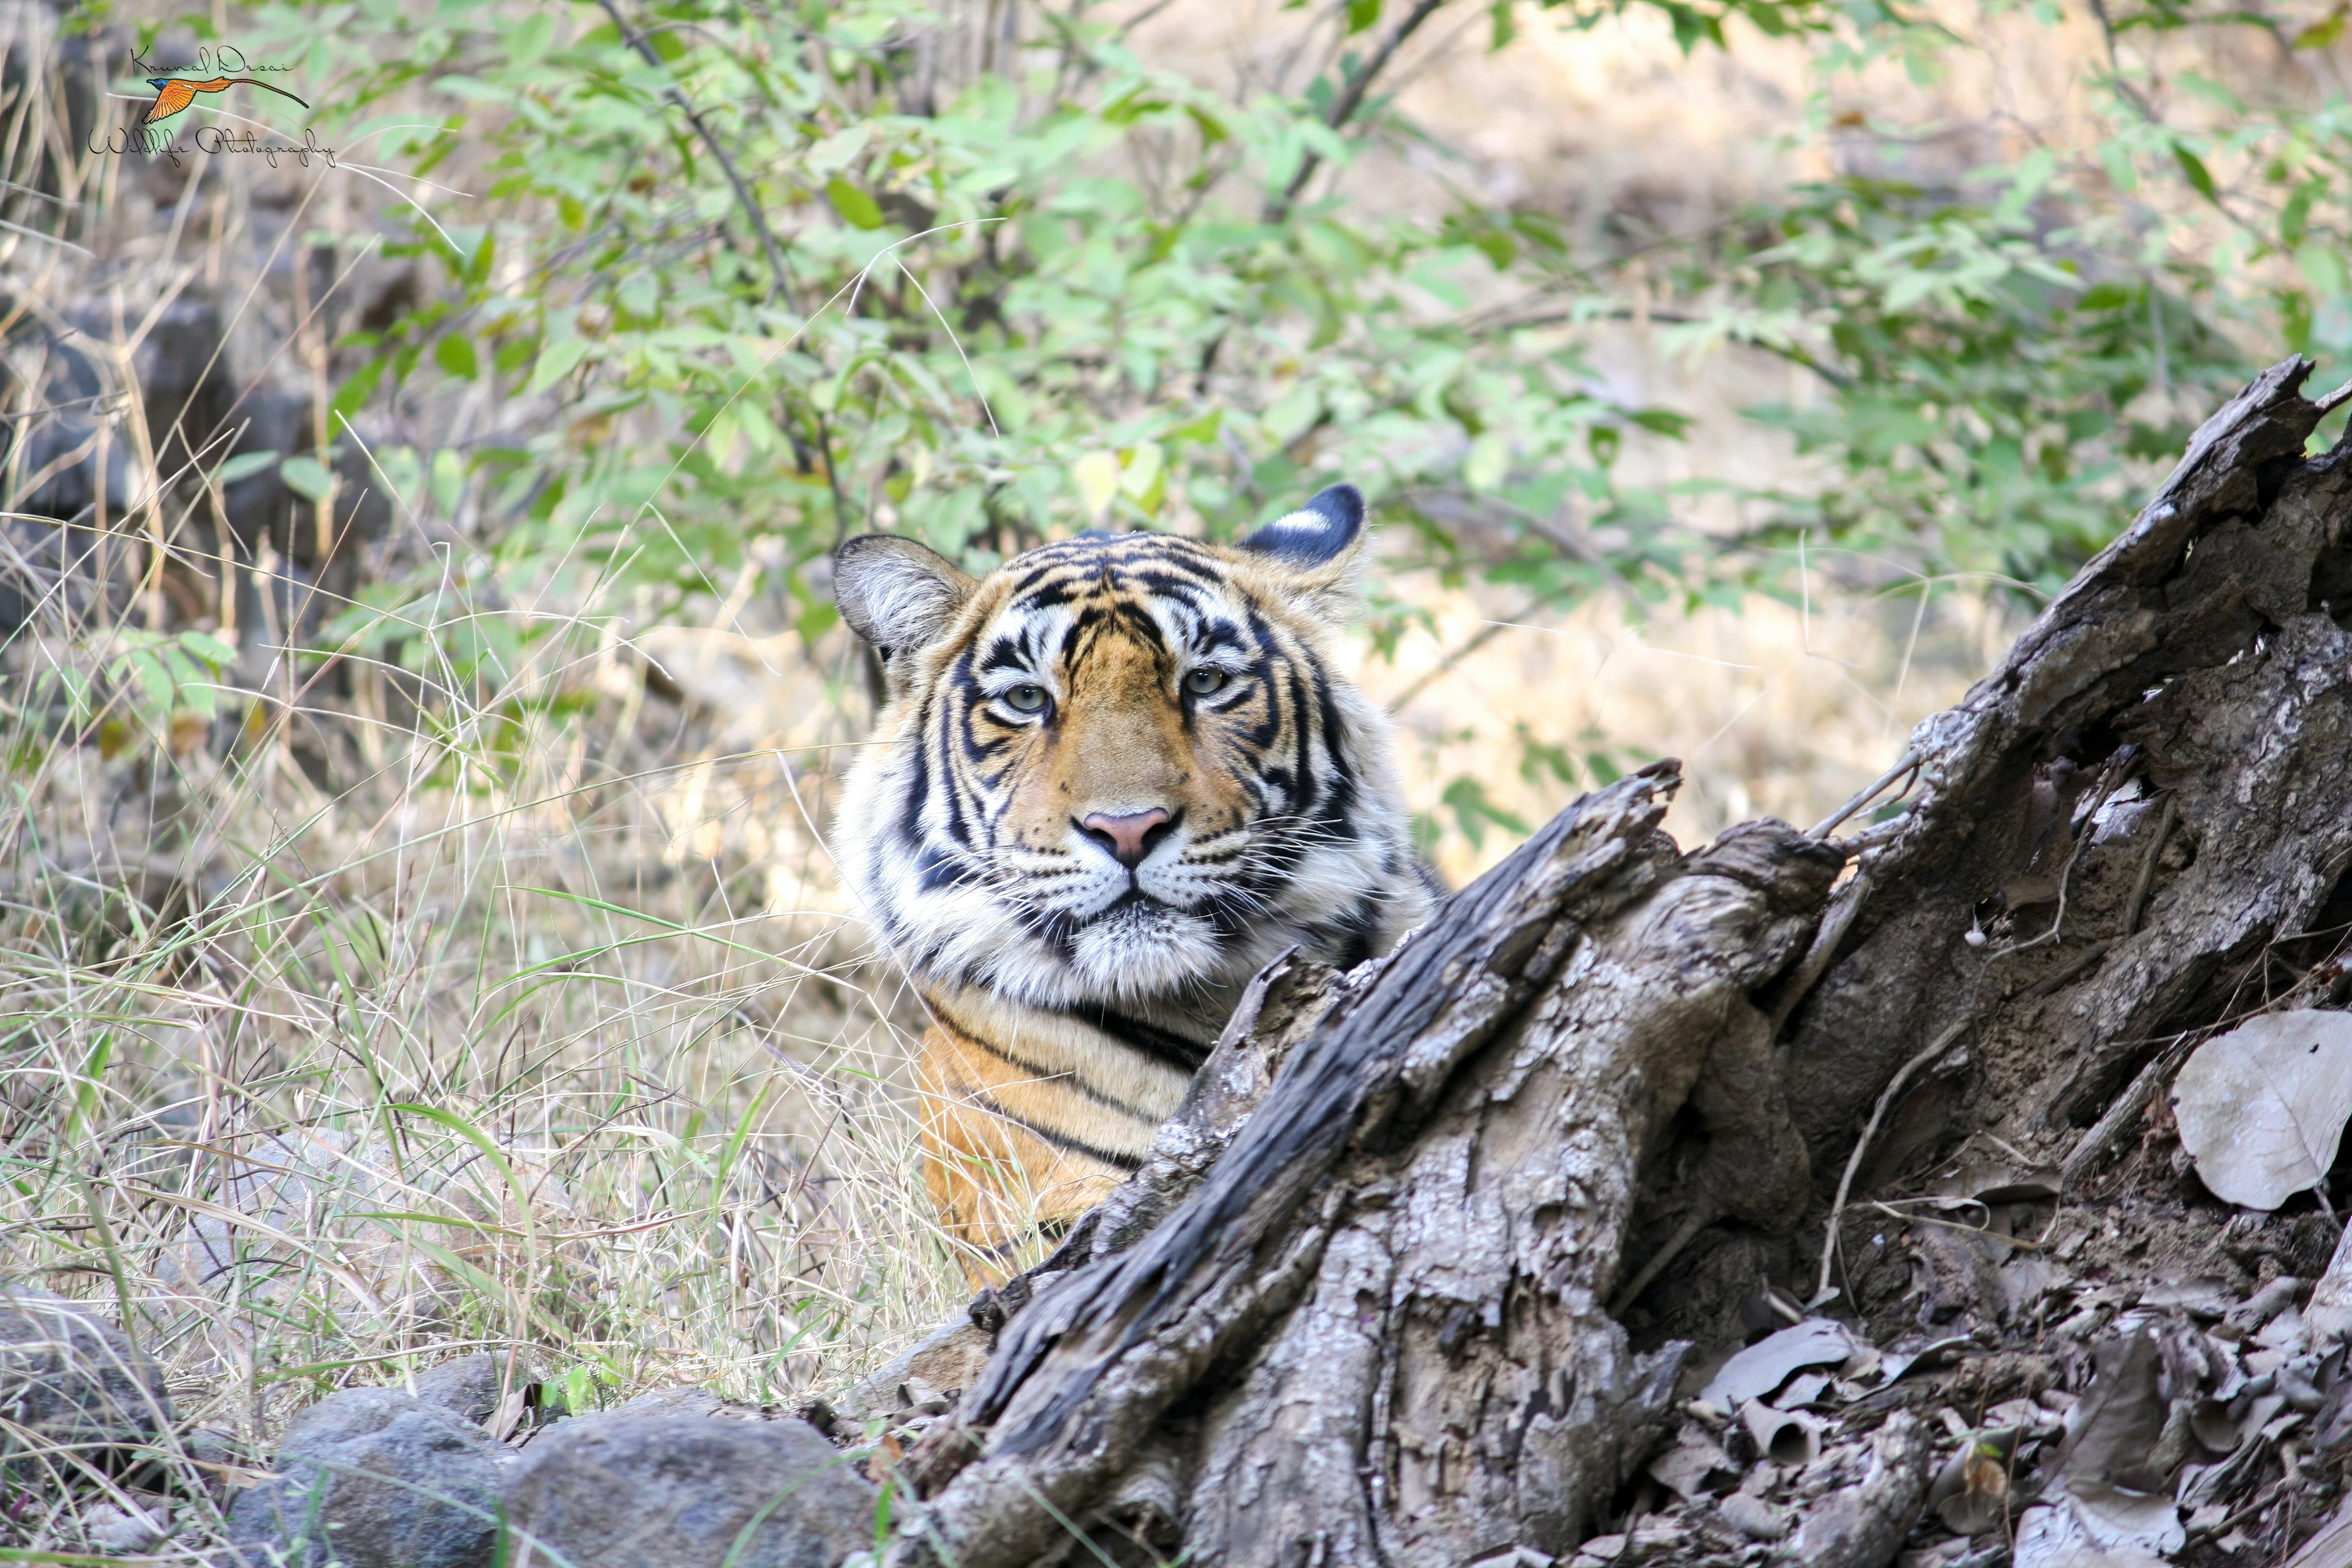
{"type": "Point", "coordinates": [2090, 954]}
{"type": "Point", "coordinates": [1344, 107]}
{"type": "Point", "coordinates": [1893, 1213]}
{"type": "Point", "coordinates": [2074, 857]}
{"type": "Point", "coordinates": [2127, 1109]}
{"type": "Point", "coordinates": [779, 280]}
{"type": "Point", "coordinates": [1936, 1047]}
{"type": "Point", "coordinates": [1836, 923]}
{"type": "Point", "coordinates": [1698, 1220]}
{"type": "Point", "coordinates": [1908, 761]}
{"type": "Point", "coordinates": [1445, 666]}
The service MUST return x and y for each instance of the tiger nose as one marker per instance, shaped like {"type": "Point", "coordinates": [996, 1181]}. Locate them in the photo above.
{"type": "Point", "coordinates": [1128, 838]}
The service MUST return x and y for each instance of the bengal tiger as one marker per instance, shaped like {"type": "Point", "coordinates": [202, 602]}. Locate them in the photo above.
{"type": "Point", "coordinates": [1110, 781]}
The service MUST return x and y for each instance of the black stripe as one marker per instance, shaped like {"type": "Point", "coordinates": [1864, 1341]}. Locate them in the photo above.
{"type": "Point", "coordinates": [1161, 1046]}
{"type": "Point", "coordinates": [1342, 802]}
{"type": "Point", "coordinates": [1304, 765]}
{"type": "Point", "coordinates": [1058, 1140]}
{"type": "Point", "coordinates": [1045, 596]}
{"type": "Point", "coordinates": [1051, 1230]}
{"type": "Point", "coordinates": [960, 817]}
{"type": "Point", "coordinates": [1044, 1073]}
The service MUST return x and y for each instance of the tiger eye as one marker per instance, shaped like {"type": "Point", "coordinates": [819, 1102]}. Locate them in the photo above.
{"type": "Point", "coordinates": [1204, 680]}
{"type": "Point", "coordinates": [1026, 698]}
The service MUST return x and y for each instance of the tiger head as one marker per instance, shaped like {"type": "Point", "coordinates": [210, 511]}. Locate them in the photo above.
{"type": "Point", "coordinates": [1124, 769]}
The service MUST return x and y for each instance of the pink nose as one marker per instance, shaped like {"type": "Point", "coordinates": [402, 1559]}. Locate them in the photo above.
{"type": "Point", "coordinates": [1128, 838]}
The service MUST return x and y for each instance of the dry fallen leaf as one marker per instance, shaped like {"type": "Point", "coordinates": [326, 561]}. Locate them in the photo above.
{"type": "Point", "coordinates": [2121, 1521]}
{"type": "Point", "coordinates": [1783, 1437]}
{"type": "Point", "coordinates": [2329, 1313]}
{"type": "Point", "coordinates": [2261, 1108]}
{"type": "Point", "coordinates": [1970, 1494]}
{"type": "Point", "coordinates": [2113, 1433]}
{"type": "Point", "coordinates": [1766, 1364]}
{"type": "Point", "coordinates": [1696, 1464]}
{"type": "Point", "coordinates": [2051, 1537]}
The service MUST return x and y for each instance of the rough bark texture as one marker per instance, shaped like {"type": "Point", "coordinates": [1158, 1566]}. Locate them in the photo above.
{"type": "Point", "coordinates": [2204, 658]}
{"type": "Point", "coordinates": [1357, 1308]}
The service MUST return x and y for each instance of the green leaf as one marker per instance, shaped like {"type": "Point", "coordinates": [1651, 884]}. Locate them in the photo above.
{"type": "Point", "coordinates": [215, 653]}
{"type": "Point", "coordinates": [1132, 107]}
{"type": "Point", "coordinates": [856, 207]}
{"type": "Point", "coordinates": [1095, 474]}
{"type": "Point", "coordinates": [2324, 266]}
{"type": "Point", "coordinates": [244, 466]}
{"type": "Point", "coordinates": [529, 43]}
{"type": "Point", "coordinates": [2295, 218]}
{"type": "Point", "coordinates": [1504, 25]}
{"type": "Point", "coordinates": [2198, 176]}
{"type": "Point", "coordinates": [579, 1389]}
{"type": "Point", "coordinates": [307, 478]}
{"type": "Point", "coordinates": [817, 618]}
{"type": "Point", "coordinates": [154, 681]}
{"type": "Point", "coordinates": [352, 396]}
{"type": "Point", "coordinates": [456, 354]}
{"type": "Point", "coordinates": [559, 358]}
{"type": "Point", "coordinates": [2324, 32]}
{"type": "Point", "coordinates": [1474, 811]}
{"type": "Point", "coordinates": [1362, 14]}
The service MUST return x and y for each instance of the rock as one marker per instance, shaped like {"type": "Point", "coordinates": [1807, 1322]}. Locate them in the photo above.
{"type": "Point", "coordinates": [1869, 1498]}
{"type": "Point", "coordinates": [2330, 1310]}
{"type": "Point", "coordinates": [687, 1492]}
{"type": "Point", "coordinates": [372, 1477]}
{"type": "Point", "coordinates": [70, 1380]}
{"type": "Point", "coordinates": [128, 1531]}
{"type": "Point", "coordinates": [685, 1400]}
{"type": "Point", "coordinates": [1753, 1517]}
{"type": "Point", "coordinates": [945, 1363]}
{"type": "Point", "coordinates": [471, 1387]}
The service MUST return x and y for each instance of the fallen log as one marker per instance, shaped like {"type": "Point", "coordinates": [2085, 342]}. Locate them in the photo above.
{"type": "Point", "coordinates": [1413, 1277]}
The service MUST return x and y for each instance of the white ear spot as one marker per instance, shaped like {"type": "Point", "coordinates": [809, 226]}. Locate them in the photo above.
{"type": "Point", "coordinates": [1316, 532]}
{"type": "Point", "coordinates": [896, 593]}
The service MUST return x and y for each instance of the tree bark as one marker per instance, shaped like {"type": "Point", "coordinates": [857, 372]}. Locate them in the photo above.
{"type": "Point", "coordinates": [1357, 1308]}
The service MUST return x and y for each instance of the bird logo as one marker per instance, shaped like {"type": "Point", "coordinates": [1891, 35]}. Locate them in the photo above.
{"type": "Point", "coordinates": [173, 94]}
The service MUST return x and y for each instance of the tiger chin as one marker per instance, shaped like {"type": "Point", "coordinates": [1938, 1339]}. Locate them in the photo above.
{"type": "Point", "coordinates": [1112, 780]}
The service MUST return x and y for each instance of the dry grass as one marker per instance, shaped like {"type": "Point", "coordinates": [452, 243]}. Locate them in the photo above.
{"type": "Point", "coordinates": [1776, 711]}
{"type": "Point", "coordinates": [469, 1053]}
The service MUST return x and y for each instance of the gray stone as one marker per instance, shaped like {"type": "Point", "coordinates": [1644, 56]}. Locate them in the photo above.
{"type": "Point", "coordinates": [471, 1387]}
{"type": "Point", "coordinates": [371, 1478]}
{"type": "Point", "coordinates": [683, 1400]}
{"type": "Point", "coordinates": [128, 1531]}
{"type": "Point", "coordinates": [686, 1492]}
{"type": "Point", "coordinates": [948, 1362]}
{"type": "Point", "coordinates": [73, 1389]}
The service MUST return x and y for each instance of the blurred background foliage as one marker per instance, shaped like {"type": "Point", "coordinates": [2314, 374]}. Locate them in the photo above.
{"type": "Point", "coordinates": [766, 276]}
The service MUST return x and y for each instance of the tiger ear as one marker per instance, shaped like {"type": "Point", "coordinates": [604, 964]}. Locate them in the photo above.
{"type": "Point", "coordinates": [1319, 544]}
{"type": "Point", "coordinates": [1322, 531]}
{"type": "Point", "coordinates": [896, 593]}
